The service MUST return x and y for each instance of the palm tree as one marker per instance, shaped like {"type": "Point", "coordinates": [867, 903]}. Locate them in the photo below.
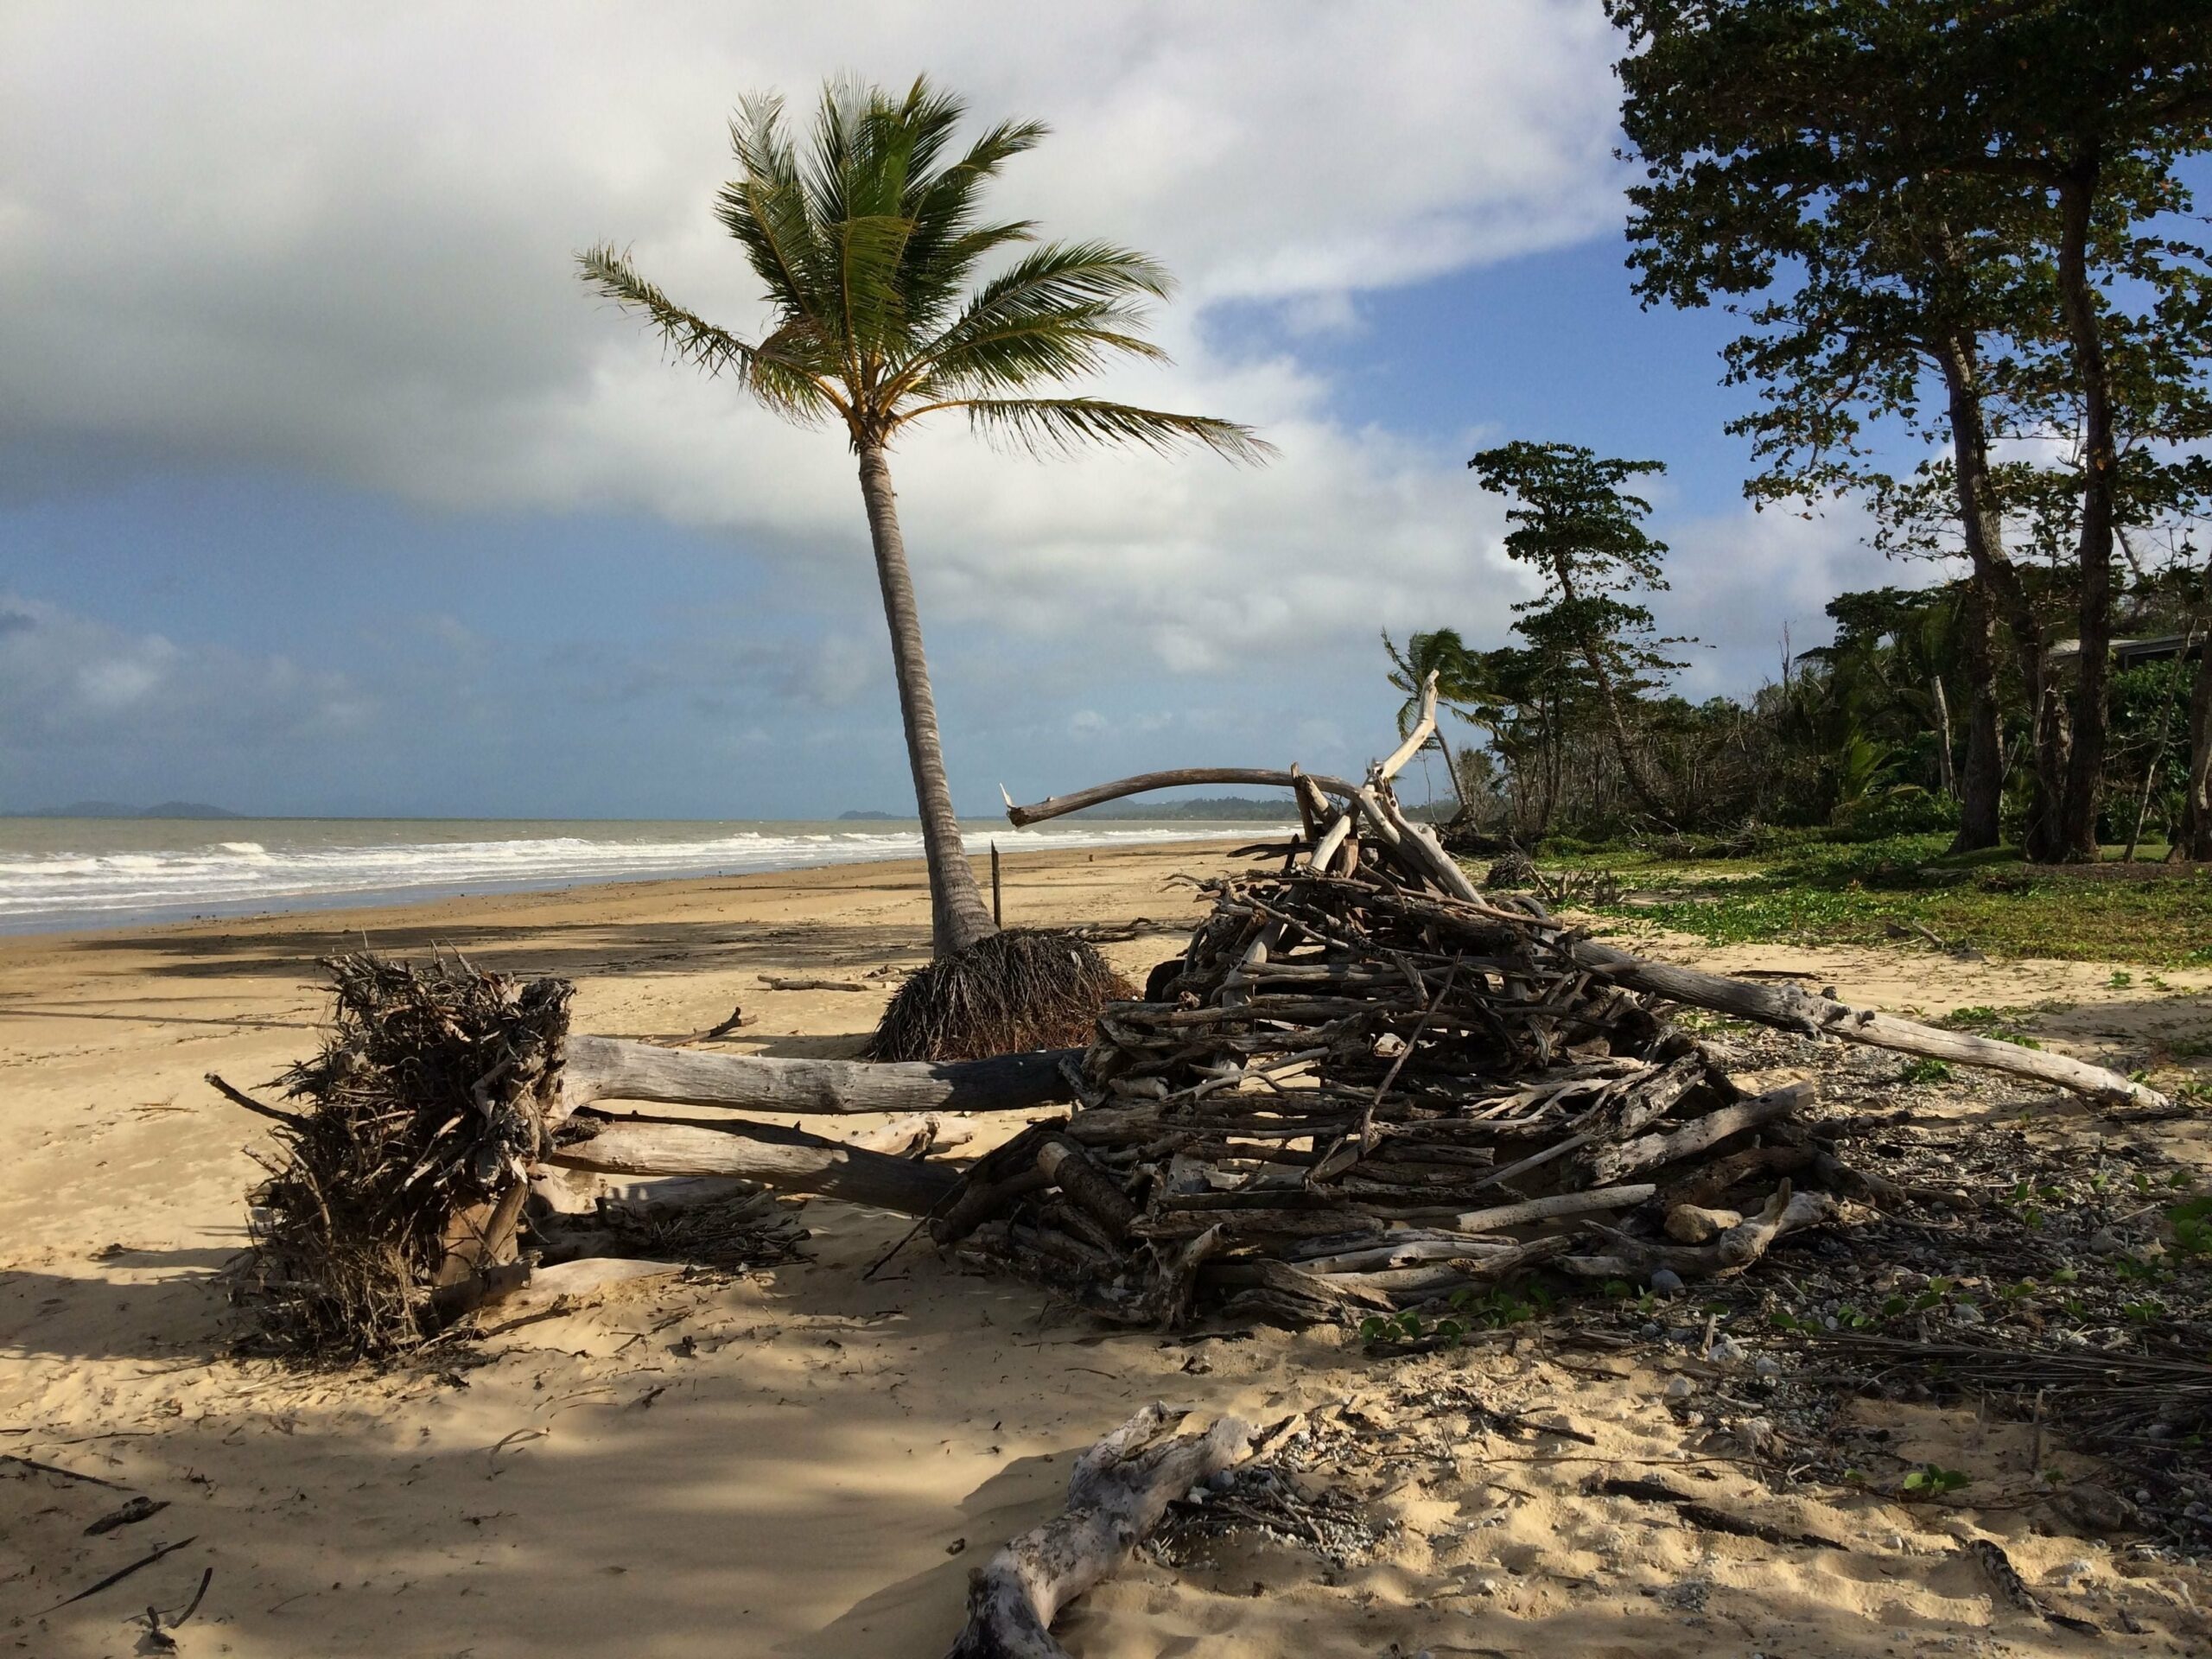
{"type": "Point", "coordinates": [1458, 684]}
{"type": "Point", "coordinates": [870, 245]}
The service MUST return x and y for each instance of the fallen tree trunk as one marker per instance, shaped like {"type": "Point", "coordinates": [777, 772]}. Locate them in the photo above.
{"type": "Point", "coordinates": [608, 1068]}
{"type": "Point", "coordinates": [1792, 1009]}
{"type": "Point", "coordinates": [1119, 1492]}
{"type": "Point", "coordinates": [787, 1160]}
{"type": "Point", "coordinates": [1054, 806]}
{"type": "Point", "coordinates": [913, 1137]}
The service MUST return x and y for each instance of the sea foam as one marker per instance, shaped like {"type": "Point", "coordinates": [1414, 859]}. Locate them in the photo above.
{"type": "Point", "coordinates": [318, 866]}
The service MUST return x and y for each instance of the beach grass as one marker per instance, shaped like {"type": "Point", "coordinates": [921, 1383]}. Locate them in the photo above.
{"type": "Point", "coordinates": [1869, 892]}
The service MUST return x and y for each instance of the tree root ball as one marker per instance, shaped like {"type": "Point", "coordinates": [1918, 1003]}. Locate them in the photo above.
{"type": "Point", "coordinates": [1024, 988]}
{"type": "Point", "coordinates": [422, 1111]}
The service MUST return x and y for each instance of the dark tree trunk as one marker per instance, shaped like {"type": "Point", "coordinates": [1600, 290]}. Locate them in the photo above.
{"type": "Point", "coordinates": [1944, 738]}
{"type": "Point", "coordinates": [2077, 827]}
{"type": "Point", "coordinates": [958, 916]}
{"type": "Point", "coordinates": [2193, 839]}
{"type": "Point", "coordinates": [1981, 528]}
{"type": "Point", "coordinates": [1639, 779]}
{"type": "Point", "coordinates": [1981, 782]}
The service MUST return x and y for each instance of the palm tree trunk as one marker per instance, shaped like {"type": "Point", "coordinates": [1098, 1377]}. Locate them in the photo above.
{"type": "Point", "coordinates": [1451, 773]}
{"type": "Point", "coordinates": [958, 915]}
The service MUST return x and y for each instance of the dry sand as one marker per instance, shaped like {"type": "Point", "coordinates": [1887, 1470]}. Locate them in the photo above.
{"type": "Point", "coordinates": [802, 1463]}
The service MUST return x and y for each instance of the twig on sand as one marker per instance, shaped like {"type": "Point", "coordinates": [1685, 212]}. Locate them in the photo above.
{"type": "Point", "coordinates": [56, 1468]}
{"type": "Point", "coordinates": [737, 1017]}
{"type": "Point", "coordinates": [121, 1574]}
{"type": "Point", "coordinates": [239, 1098]}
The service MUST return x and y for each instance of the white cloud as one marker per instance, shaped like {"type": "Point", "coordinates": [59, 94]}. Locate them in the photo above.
{"type": "Point", "coordinates": [1747, 585]}
{"type": "Point", "coordinates": [340, 241]}
{"type": "Point", "coordinates": [67, 681]}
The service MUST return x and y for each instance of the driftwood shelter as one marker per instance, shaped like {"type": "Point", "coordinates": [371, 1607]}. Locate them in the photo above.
{"type": "Point", "coordinates": [1363, 1088]}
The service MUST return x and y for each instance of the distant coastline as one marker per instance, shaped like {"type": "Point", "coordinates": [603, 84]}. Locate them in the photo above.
{"type": "Point", "coordinates": [1210, 809]}
{"type": "Point", "coordinates": [171, 809]}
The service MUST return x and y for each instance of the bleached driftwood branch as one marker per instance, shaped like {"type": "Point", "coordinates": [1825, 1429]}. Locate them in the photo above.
{"type": "Point", "coordinates": [785, 1160]}
{"type": "Point", "coordinates": [1055, 806]}
{"type": "Point", "coordinates": [609, 1068]}
{"type": "Point", "coordinates": [1792, 1009]}
{"type": "Point", "coordinates": [1119, 1489]}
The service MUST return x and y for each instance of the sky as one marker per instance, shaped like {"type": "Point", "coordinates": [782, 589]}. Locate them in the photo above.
{"type": "Point", "coordinates": [326, 489]}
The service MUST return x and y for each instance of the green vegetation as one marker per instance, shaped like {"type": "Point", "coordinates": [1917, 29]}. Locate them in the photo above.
{"type": "Point", "coordinates": [1934, 1481]}
{"type": "Point", "coordinates": [1833, 891]}
{"type": "Point", "coordinates": [1974, 306]}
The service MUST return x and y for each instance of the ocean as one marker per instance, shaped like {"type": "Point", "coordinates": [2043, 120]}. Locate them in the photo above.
{"type": "Point", "coordinates": [80, 872]}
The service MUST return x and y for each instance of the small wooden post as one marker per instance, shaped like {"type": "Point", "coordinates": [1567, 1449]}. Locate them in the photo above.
{"type": "Point", "coordinates": [998, 914]}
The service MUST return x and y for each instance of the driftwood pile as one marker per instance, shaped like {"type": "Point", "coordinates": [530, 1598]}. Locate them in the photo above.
{"type": "Point", "coordinates": [1353, 1097]}
{"type": "Point", "coordinates": [1364, 1089]}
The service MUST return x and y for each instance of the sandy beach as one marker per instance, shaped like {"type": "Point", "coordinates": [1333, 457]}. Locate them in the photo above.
{"type": "Point", "coordinates": [803, 1462]}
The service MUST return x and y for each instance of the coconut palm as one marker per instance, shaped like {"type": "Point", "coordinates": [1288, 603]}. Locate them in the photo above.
{"type": "Point", "coordinates": [1458, 686]}
{"type": "Point", "coordinates": [872, 244]}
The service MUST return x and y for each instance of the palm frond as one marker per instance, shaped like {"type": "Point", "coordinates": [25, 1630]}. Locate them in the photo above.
{"type": "Point", "coordinates": [1045, 426]}
{"type": "Point", "coordinates": [948, 244]}
{"type": "Point", "coordinates": [872, 300]}
{"type": "Point", "coordinates": [766, 210]}
{"type": "Point", "coordinates": [775, 371]}
{"type": "Point", "coordinates": [691, 337]}
{"type": "Point", "coordinates": [1057, 314]}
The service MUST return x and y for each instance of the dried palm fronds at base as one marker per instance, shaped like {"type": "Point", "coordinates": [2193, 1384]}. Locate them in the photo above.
{"type": "Point", "coordinates": [403, 1176]}
{"type": "Point", "coordinates": [1009, 993]}
{"type": "Point", "coordinates": [735, 1230]}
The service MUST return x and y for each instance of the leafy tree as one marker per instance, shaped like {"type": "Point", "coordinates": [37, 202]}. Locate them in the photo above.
{"type": "Point", "coordinates": [1939, 171]}
{"type": "Point", "coordinates": [872, 243]}
{"type": "Point", "coordinates": [1533, 700]}
{"type": "Point", "coordinates": [1576, 525]}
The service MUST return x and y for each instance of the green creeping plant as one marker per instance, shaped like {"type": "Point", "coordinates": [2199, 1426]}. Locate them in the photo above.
{"type": "Point", "coordinates": [1934, 1481]}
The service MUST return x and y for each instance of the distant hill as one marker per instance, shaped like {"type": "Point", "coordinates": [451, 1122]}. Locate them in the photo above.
{"type": "Point", "coordinates": [867, 817]}
{"type": "Point", "coordinates": [117, 810]}
{"type": "Point", "coordinates": [1213, 809]}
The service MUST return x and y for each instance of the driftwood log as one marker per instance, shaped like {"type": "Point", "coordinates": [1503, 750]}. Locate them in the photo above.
{"type": "Point", "coordinates": [610, 1068]}
{"type": "Point", "coordinates": [767, 1155]}
{"type": "Point", "coordinates": [1118, 1493]}
{"type": "Point", "coordinates": [1789, 1008]}
{"type": "Point", "coordinates": [1145, 783]}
